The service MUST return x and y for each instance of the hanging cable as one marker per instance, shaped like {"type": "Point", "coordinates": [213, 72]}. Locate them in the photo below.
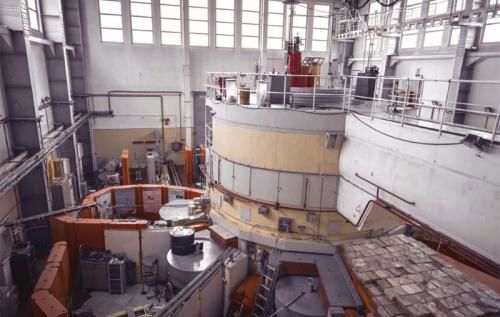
{"type": "Point", "coordinates": [401, 139]}
{"type": "Point", "coordinates": [387, 4]}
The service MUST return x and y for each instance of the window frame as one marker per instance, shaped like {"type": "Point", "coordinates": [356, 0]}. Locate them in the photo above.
{"type": "Point", "coordinates": [412, 18]}
{"type": "Point", "coordinates": [436, 5]}
{"type": "Point", "coordinates": [282, 26]}
{"type": "Point", "coordinates": [233, 23]}
{"type": "Point", "coordinates": [304, 47]}
{"type": "Point", "coordinates": [142, 17]}
{"type": "Point", "coordinates": [38, 14]}
{"type": "Point", "coordinates": [180, 20]}
{"type": "Point", "coordinates": [314, 16]}
{"type": "Point", "coordinates": [208, 20]}
{"type": "Point", "coordinates": [259, 26]}
{"type": "Point", "coordinates": [430, 30]}
{"type": "Point", "coordinates": [411, 32]}
{"type": "Point", "coordinates": [101, 28]}
{"type": "Point", "coordinates": [485, 26]}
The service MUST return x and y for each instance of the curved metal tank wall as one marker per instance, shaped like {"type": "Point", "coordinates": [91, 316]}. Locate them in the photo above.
{"type": "Point", "coordinates": [274, 163]}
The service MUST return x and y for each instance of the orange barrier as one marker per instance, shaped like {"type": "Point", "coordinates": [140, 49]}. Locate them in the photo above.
{"type": "Point", "coordinates": [53, 289]}
{"type": "Point", "coordinates": [88, 230]}
{"type": "Point", "coordinates": [189, 193]}
{"type": "Point", "coordinates": [188, 164]}
{"type": "Point", "coordinates": [125, 168]}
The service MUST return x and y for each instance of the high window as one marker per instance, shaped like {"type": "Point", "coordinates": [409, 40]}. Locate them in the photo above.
{"type": "Point", "coordinates": [300, 24]}
{"type": "Point", "coordinates": [275, 19]}
{"type": "Point", "coordinates": [321, 15]}
{"type": "Point", "coordinates": [110, 18]}
{"type": "Point", "coordinates": [198, 22]}
{"type": "Point", "coordinates": [33, 14]}
{"type": "Point", "coordinates": [141, 21]}
{"type": "Point", "coordinates": [395, 13]}
{"type": "Point", "coordinates": [409, 39]}
{"type": "Point", "coordinates": [437, 7]}
{"type": "Point", "coordinates": [455, 33]}
{"type": "Point", "coordinates": [224, 23]}
{"type": "Point", "coordinates": [492, 30]}
{"type": "Point", "coordinates": [374, 14]}
{"type": "Point", "coordinates": [413, 9]}
{"type": "Point", "coordinates": [250, 30]}
{"type": "Point", "coordinates": [170, 13]}
{"type": "Point", "coordinates": [460, 5]}
{"type": "Point", "coordinates": [433, 36]}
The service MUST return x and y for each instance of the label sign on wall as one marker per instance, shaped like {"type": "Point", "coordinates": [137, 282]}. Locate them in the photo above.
{"type": "Point", "coordinates": [104, 205]}
{"type": "Point", "coordinates": [125, 200]}
{"type": "Point", "coordinates": [151, 200]}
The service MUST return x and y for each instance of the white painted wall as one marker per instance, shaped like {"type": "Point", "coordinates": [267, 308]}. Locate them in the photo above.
{"type": "Point", "coordinates": [486, 69]}
{"type": "Point", "coordinates": [456, 189]}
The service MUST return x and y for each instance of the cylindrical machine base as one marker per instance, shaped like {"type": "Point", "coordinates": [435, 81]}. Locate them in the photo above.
{"type": "Point", "coordinates": [184, 268]}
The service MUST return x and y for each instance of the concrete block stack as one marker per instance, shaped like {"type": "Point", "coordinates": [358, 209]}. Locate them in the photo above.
{"type": "Point", "coordinates": [405, 277]}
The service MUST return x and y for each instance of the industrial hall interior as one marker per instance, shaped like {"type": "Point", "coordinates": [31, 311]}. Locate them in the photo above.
{"type": "Point", "coordinates": [249, 158]}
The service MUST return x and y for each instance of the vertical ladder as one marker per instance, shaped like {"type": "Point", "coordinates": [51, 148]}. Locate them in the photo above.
{"type": "Point", "coordinates": [264, 290]}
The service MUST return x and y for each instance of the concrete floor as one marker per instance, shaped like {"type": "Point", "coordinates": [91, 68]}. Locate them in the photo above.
{"type": "Point", "coordinates": [102, 303]}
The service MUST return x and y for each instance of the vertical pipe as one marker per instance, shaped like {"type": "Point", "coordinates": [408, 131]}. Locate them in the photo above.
{"type": "Point", "coordinates": [444, 109]}
{"type": "Point", "coordinates": [406, 100]}
{"type": "Point", "coordinates": [284, 89]}
{"type": "Point", "coordinates": [238, 89]}
{"type": "Point", "coordinates": [374, 97]}
{"type": "Point", "coordinates": [495, 126]}
{"type": "Point", "coordinates": [350, 93]}
{"type": "Point", "coordinates": [392, 92]}
{"type": "Point", "coordinates": [314, 95]}
{"type": "Point", "coordinates": [344, 94]}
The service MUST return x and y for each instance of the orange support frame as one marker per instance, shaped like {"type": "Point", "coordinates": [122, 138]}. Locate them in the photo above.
{"type": "Point", "coordinates": [188, 165]}
{"type": "Point", "coordinates": [125, 168]}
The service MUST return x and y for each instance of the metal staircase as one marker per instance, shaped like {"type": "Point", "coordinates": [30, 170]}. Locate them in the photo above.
{"type": "Point", "coordinates": [264, 290]}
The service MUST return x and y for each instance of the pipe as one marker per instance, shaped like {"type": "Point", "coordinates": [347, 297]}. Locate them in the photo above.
{"type": "Point", "coordinates": [12, 178]}
{"type": "Point", "coordinates": [257, 201]}
{"type": "Point", "coordinates": [385, 190]}
{"type": "Point", "coordinates": [11, 164]}
{"type": "Point", "coordinates": [139, 94]}
{"type": "Point", "coordinates": [47, 214]}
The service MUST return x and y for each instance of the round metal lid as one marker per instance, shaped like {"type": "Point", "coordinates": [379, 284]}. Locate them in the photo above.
{"type": "Point", "coordinates": [181, 231]}
{"type": "Point", "coordinates": [195, 262]}
{"type": "Point", "coordinates": [178, 210]}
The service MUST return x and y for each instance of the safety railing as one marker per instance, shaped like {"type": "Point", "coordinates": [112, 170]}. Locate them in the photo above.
{"type": "Point", "coordinates": [348, 25]}
{"type": "Point", "coordinates": [441, 104]}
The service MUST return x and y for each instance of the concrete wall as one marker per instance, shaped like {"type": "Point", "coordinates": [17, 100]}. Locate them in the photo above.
{"type": "Point", "coordinates": [456, 189]}
{"type": "Point", "coordinates": [127, 66]}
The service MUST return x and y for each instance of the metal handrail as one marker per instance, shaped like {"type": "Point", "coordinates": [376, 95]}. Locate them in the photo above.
{"type": "Point", "coordinates": [404, 102]}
